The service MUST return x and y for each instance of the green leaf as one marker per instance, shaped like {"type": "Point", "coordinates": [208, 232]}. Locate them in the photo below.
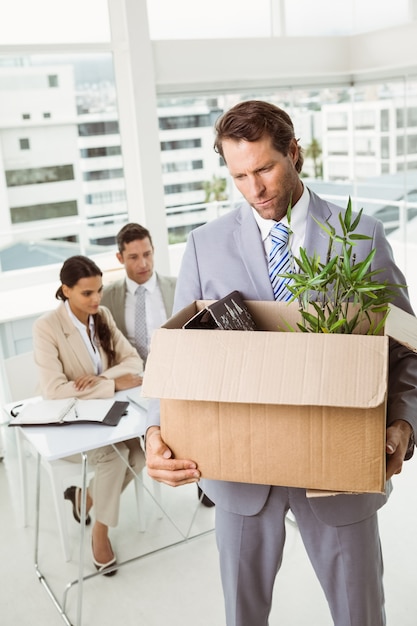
{"type": "Point", "coordinates": [356, 221]}
{"type": "Point", "coordinates": [348, 215]}
{"type": "Point", "coordinates": [343, 224]}
{"type": "Point", "coordinates": [340, 282]}
{"type": "Point", "coordinates": [380, 326]}
{"type": "Point", "coordinates": [357, 236]}
{"type": "Point", "coordinates": [334, 327]}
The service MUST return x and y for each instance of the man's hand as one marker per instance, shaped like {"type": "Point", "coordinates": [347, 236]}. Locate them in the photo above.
{"type": "Point", "coordinates": [127, 381]}
{"type": "Point", "coordinates": [398, 436]}
{"type": "Point", "coordinates": [162, 467]}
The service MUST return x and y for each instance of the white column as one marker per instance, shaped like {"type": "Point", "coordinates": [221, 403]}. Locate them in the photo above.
{"type": "Point", "coordinates": [5, 220]}
{"type": "Point", "coordinates": [138, 120]}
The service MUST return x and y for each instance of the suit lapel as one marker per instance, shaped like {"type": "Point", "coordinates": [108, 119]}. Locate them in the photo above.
{"type": "Point", "coordinates": [246, 238]}
{"type": "Point", "coordinates": [167, 288]}
{"type": "Point", "coordinates": [118, 305]}
{"type": "Point", "coordinates": [316, 240]}
{"type": "Point", "coordinates": [75, 344]}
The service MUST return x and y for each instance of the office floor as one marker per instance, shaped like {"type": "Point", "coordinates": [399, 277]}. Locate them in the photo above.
{"type": "Point", "coordinates": [179, 585]}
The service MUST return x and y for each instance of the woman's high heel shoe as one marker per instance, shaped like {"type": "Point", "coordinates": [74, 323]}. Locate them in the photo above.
{"type": "Point", "coordinates": [102, 567]}
{"type": "Point", "coordinates": [73, 495]}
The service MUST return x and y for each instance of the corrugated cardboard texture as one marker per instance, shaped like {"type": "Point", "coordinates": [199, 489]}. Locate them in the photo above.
{"type": "Point", "coordinates": [329, 448]}
{"type": "Point", "coordinates": [295, 409]}
{"type": "Point", "coordinates": [267, 367]}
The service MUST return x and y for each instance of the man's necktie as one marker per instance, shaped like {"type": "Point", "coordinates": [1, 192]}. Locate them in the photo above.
{"type": "Point", "coordinates": [280, 261]}
{"type": "Point", "coordinates": [141, 333]}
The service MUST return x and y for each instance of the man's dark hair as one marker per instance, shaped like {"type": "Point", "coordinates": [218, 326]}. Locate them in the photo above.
{"type": "Point", "coordinates": [251, 121]}
{"type": "Point", "coordinates": [131, 232]}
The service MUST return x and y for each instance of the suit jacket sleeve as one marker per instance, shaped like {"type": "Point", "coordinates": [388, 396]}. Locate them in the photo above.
{"type": "Point", "coordinates": [167, 287]}
{"type": "Point", "coordinates": [402, 385]}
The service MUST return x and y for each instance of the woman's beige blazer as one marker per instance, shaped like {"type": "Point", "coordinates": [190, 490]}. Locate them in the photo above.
{"type": "Point", "coordinates": [62, 356]}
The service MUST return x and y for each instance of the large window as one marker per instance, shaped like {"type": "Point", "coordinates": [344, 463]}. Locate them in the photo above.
{"type": "Point", "coordinates": [60, 166]}
{"type": "Point", "coordinates": [39, 175]}
{"type": "Point", "coordinates": [63, 151]}
{"type": "Point", "coordinates": [346, 133]}
{"type": "Point", "coordinates": [37, 212]}
{"type": "Point", "coordinates": [102, 125]}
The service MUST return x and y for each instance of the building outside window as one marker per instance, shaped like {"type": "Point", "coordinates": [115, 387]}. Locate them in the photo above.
{"type": "Point", "coordinates": [78, 170]}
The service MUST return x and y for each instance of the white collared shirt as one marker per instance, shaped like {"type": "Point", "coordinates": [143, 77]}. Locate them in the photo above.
{"type": "Point", "coordinates": [298, 225]}
{"type": "Point", "coordinates": [91, 344]}
{"type": "Point", "coordinates": [155, 308]}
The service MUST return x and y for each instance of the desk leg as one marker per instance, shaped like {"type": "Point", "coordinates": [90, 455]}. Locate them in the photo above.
{"type": "Point", "coordinates": [39, 574]}
{"type": "Point", "coordinates": [81, 578]}
{"type": "Point", "coordinates": [82, 536]}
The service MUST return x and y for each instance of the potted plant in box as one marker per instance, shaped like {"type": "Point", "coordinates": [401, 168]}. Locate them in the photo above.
{"type": "Point", "coordinates": [340, 295]}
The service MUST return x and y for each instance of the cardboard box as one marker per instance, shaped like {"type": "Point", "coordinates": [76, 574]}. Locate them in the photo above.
{"type": "Point", "coordinates": [281, 408]}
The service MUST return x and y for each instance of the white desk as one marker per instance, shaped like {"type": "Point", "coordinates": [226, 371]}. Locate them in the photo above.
{"type": "Point", "coordinates": [56, 442]}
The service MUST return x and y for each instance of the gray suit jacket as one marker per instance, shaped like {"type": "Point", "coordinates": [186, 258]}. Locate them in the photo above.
{"type": "Point", "coordinates": [114, 298]}
{"type": "Point", "coordinates": [228, 254]}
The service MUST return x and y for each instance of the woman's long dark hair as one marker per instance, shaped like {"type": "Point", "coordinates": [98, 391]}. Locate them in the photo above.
{"type": "Point", "coordinates": [75, 268]}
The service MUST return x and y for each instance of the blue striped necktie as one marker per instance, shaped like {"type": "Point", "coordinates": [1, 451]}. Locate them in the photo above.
{"type": "Point", "coordinates": [280, 261]}
{"type": "Point", "coordinates": [141, 332]}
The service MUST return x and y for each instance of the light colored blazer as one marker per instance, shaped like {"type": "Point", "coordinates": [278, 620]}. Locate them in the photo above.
{"type": "Point", "coordinates": [61, 356]}
{"type": "Point", "coordinates": [228, 254]}
{"type": "Point", "coordinates": [114, 296]}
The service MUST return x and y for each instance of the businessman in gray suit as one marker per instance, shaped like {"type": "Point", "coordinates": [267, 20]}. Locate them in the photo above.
{"type": "Point", "coordinates": [340, 533]}
{"type": "Point", "coordinates": [136, 253]}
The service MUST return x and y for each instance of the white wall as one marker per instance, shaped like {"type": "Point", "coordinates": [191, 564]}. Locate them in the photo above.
{"type": "Point", "coordinates": [232, 63]}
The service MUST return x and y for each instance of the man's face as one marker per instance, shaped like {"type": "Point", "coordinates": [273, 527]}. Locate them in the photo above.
{"type": "Point", "coordinates": [137, 257]}
{"type": "Point", "coordinates": [265, 177]}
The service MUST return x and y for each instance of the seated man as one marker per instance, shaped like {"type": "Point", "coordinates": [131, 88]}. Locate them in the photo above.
{"type": "Point", "coordinates": [143, 300]}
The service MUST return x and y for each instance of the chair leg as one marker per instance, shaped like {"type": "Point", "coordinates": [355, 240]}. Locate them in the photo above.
{"type": "Point", "coordinates": [156, 486]}
{"type": "Point", "coordinates": [140, 499]}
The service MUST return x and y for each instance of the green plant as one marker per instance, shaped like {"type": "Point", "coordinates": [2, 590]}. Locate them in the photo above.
{"type": "Point", "coordinates": [215, 189]}
{"type": "Point", "coordinates": [341, 294]}
{"type": "Point", "coordinates": [313, 151]}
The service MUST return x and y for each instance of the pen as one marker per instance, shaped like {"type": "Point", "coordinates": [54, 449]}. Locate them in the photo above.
{"type": "Point", "coordinates": [75, 410]}
{"type": "Point", "coordinates": [67, 410]}
{"type": "Point", "coordinates": [14, 412]}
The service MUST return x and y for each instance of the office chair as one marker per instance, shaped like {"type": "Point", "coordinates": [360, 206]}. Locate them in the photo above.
{"type": "Point", "coordinates": [22, 378]}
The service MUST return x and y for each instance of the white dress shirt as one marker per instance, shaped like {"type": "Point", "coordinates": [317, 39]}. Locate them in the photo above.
{"type": "Point", "coordinates": [298, 225]}
{"type": "Point", "coordinates": [90, 341]}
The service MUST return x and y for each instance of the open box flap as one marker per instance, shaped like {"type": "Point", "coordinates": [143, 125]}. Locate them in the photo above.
{"type": "Point", "coordinates": [402, 327]}
{"type": "Point", "coordinates": [267, 367]}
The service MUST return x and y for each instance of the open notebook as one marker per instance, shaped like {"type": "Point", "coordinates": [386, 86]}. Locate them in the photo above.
{"type": "Point", "coordinates": [71, 411]}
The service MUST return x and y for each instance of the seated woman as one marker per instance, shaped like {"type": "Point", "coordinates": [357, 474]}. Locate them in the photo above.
{"type": "Point", "coordinates": [81, 353]}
